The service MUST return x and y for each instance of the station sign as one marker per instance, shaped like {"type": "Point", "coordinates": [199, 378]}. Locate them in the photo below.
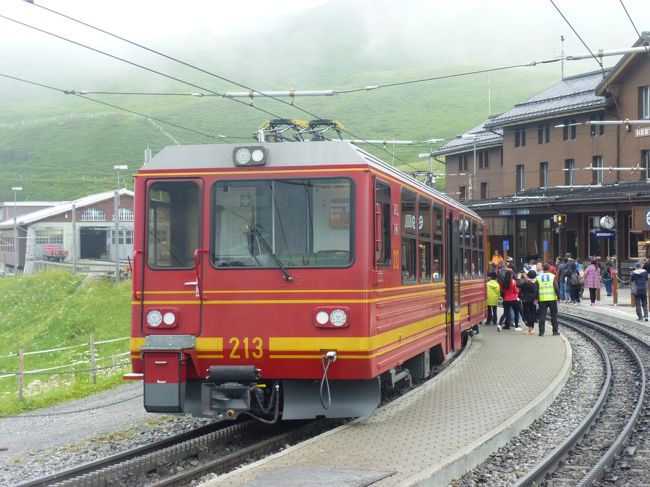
{"type": "Point", "coordinates": [605, 234]}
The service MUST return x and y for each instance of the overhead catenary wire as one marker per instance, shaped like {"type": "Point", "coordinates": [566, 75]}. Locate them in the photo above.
{"type": "Point", "coordinates": [185, 64]}
{"type": "Point", "coordinates": [166, 122]}
{"type": "Point", "coordinates": [631, 21]}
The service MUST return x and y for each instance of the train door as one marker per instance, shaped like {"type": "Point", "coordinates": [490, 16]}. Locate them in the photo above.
{"type": "Point", "coordinates": [173, 259]}
{"type": "Point", "coordinates": [452, 277]}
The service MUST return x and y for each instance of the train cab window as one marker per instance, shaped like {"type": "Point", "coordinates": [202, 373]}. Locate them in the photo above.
{"type": "Point", "coordinates": [424, 239]}
{"type": "Point", "coordinates": [172, 224]}
{"type": "Point", "coordinates": [438, 257]}
{"type": "Point", "coordinates": [409, 237]}
{"type": "Point", "coordinates": [382, 234]}
{"type": "Point", "coordinates": [282, 223]}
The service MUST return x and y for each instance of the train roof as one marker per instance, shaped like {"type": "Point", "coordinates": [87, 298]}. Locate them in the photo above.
{"type": "Point", "coordinates": [283, 154]}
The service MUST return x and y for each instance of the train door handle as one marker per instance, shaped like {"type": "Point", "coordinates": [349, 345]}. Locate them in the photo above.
{"type": "Point", "coordinates": [195, 284]}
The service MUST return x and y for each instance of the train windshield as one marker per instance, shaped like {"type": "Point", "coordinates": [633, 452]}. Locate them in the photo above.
{"type": "Point", "coordinates": [282, 223]}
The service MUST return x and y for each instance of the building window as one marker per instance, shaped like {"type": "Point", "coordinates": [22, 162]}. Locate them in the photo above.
{"type": "Point", "coordinates": [519, 183]}
{"type": "Point", "coordinates": [484, 191]}
{"type": "Point", "coordinates": [543, 133]}
{"type": "Point", "coordinates": [93, 215]}
{"type": "Point", "coordinates": [462, 163]}
{"type": "Point", "coordinates": [483, 159]}
{"type": "Point", "coordinates": [597, 129]}
{"type": "Point", "coordinates": [569, 129]}
{"type": "Point", "coordinates": [569, 172]}
{"type": "Point", "coordinates": [645, 164]}
{"type": "Point", "coordinates": [520, 137]}
{"type": "Point", "coordinates": [125, 214]}
{"type": "Point", "coordinates": [462, 192]}
{"type": "Point", "coordinates": [644, 102]}
{"type": "Point", "coordinates": [543, 174]}
{"type": "Point", "coordinates": [596, 169]}
{"type": "Point", "coordinates": [49, 235]}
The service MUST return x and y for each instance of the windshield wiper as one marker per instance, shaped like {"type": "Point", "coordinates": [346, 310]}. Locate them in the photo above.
{"type": "Point", "coordinates": [254, 230]}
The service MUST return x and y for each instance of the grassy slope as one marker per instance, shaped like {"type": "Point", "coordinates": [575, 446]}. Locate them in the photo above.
{"type": "Point", "coordinates": [53, 310]}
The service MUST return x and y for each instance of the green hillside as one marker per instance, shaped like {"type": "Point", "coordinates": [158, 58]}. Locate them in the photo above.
{"type": "Point", "coordinates": [55, 310]}
{"type": "Point", "coordinates": [60, 146]}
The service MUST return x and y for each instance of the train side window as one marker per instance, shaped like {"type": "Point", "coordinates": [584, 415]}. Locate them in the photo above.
{"type": "Point", "coordinates": [438, 256]}
{"type": "Point", "coordinates": [481, 255]}
{"type": "Point", "coordinates": [172, 224]}
{"type": "Point", "coordinates": [409, 237]}
{"type": "Point", "coordinates": [382, 233]}
{"type": "Point", "coordinates": [424, 239]}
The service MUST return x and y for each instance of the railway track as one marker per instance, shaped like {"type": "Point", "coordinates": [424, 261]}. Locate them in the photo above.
{"type": "Point", "coordinates": [606, 447]}
{"type": "Point", "coordinates": [214, 448]}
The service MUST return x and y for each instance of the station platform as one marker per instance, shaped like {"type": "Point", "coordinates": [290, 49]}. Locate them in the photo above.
{"type": "Point", "coordinates": [499, 385]}
{"type": "Point", "coordinates": [621, 312]}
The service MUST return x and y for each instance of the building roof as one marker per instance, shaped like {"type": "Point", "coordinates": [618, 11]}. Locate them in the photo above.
{"type": "Point", "coordinates": [622, 63]}
{"type": "Point", "coordinates": [571, 95]}
{"type": "Point", "coordinates": [60, 208]}
{"type": "Point", "coordinates": [552, 198]}
{"type": "Point", "coordinates": [477, 136]}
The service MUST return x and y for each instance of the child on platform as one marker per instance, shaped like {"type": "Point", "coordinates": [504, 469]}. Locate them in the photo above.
{"type": "Point", "coordinates": [493, 293]}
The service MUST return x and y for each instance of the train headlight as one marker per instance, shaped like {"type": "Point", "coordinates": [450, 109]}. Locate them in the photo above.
{"type": "Point", "coordinates": [154, 318]}
{"type": "Point", "coordinates": [169, 318]}
{"type": "Point", "coordinates": [250, 156]}
{"type": "Point", "coordinates": [338, 317]}
{"type": "Point", "coordinates": [322, 317]}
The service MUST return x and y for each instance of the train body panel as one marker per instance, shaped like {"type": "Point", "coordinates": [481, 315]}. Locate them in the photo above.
{"type": "Point", "coordinates": [324, 265]}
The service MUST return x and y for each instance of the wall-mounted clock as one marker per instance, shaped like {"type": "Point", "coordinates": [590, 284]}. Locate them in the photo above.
{"type": "Point", "coordinates": [607, 222]}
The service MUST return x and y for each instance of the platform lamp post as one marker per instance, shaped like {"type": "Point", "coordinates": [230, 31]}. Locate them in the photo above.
{"type": "Point", "coordinates": [15, 189]}
{"type": "Point", "coordinates": [116, 218]}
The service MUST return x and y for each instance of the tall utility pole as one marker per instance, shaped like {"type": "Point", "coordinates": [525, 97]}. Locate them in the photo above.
{"type": "Point", "coordinates": [118, 169]}
{"type": "Point", "coordinates": [15, 189]}
{"type": "Point", "coordinates": [116, 247]}
{"type": "Point", "coordinates": [74, 238]}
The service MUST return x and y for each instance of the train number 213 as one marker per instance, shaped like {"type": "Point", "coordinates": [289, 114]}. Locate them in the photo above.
{"type": "Point", "coordinates": [250, 347]}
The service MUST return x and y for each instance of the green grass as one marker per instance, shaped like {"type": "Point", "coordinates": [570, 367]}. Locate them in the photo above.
{"type": "Point", "coordinates": [53, 310]}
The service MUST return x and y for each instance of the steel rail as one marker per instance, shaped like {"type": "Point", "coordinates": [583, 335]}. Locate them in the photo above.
{"type": "Point", "coordinates": [223, 427]}
{"type": "Point", "coordinates": [549, 463]}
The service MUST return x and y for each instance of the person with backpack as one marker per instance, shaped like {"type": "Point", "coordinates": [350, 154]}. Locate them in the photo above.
{"type": "Point", "coordinates": [639, 289]}
{"type": "Point", "coordinates": [573, 282]}
{"type": "Point", "coordinates": [529, 293]}
{"type": "Point", "coordinates": [607, 275]}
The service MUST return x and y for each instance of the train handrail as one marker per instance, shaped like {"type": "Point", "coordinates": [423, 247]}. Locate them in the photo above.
{"type": "Point", "coordinates": [134, 273]}
{"type": "Point", "coordinates": [197, 268]}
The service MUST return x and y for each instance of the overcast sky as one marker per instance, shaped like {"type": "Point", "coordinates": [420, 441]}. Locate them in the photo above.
{"type": "Point", "coordinates": [489, 32]}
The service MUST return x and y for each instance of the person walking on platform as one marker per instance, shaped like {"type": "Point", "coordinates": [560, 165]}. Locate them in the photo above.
{"type": "Point", "coordinates": [493, 292]}
{"type": "Point", "coordinates": [592, 280]}
{"type": "Point", "coordinates": [510, 293]}
{"type": "Point", "coordinates": [639, 289]}
{"type": "Point", "coordinates": [529, 293]}
{"type": "Point", "coordinates": [548, 295]}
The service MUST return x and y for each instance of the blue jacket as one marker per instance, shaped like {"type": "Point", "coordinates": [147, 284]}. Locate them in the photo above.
{"type": "Point", "coordinates": [639, 281]}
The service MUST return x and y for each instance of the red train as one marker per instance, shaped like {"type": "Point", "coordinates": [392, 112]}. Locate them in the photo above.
{"type": "Point", "coordinates": [294, 279]}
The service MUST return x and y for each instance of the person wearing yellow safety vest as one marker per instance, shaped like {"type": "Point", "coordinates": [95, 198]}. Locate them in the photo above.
{"type": "Point", "coordinates": [548, 295]}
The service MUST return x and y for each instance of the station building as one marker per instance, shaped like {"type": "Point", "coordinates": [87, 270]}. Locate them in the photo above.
{"type": "Point", "coordinates": [549, 157]}
{"type": "Point", "coordinates": [84, 228]}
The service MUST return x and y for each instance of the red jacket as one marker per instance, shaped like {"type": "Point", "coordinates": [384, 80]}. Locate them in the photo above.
{"type": "Point", "coordinates": [511, 293]}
